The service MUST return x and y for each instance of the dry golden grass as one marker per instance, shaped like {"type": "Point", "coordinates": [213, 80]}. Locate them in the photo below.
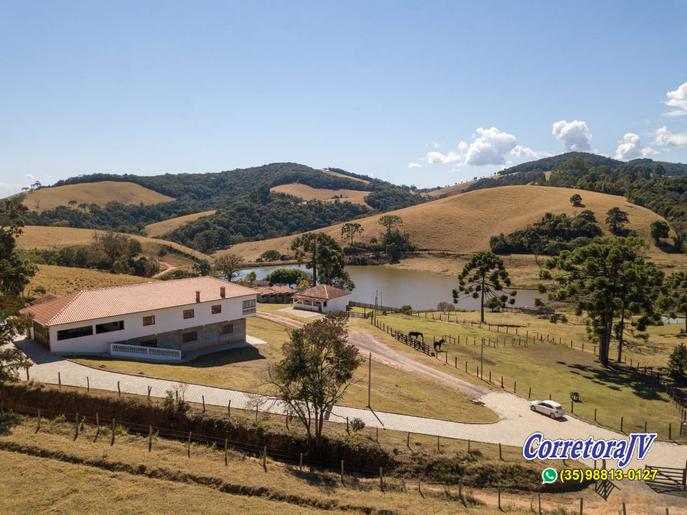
{"type": "Point", "coordinates": [160, 228]}
{"type": "Point", "coordinates": [446, 191]}
{"type": "Point", "coordinates": [70, 488]}
{"type": "Point", "coordinates": [343, 176]}
{"type": "Point", "coordinates": [39, 237]}
{"type": "Point", "coordinates": [61, 280]}
{"type": "Point", "coordinates": [464, 223]}
{"type": "Point", "coordinates": [328, 195]}
{"type": "Point", "coordinates": [99, 193]}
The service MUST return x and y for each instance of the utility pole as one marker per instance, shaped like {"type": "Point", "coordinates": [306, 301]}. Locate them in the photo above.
{"type": "Point", "coordinates": [369, 382]}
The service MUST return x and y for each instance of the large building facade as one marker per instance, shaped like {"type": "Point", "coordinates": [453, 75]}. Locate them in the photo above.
{"type": "Point", "coordinates": [182, 316]}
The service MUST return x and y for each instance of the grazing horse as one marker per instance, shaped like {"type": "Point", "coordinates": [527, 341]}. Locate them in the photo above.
{"type": "Point", "coordinates": [416, 334]}
{"type": "Point", "coordinates": [438, 344]}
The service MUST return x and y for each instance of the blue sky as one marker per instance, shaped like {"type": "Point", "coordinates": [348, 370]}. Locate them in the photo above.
{"type": "Point", "coordinates": [426, 93]}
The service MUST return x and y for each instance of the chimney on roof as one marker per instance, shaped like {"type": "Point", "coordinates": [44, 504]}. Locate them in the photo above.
{"type": "Point", "coordinates": [197, 296]}
{"type": "Point", "coordinates": [222, 291]}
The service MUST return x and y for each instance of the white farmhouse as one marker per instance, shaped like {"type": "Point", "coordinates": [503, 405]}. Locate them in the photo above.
{"type": "Point", "coordinates": [322, 298]}
{"type": "Point", "coordinates": [156, 320]}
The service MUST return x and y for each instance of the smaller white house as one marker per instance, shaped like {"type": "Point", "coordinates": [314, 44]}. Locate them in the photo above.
{"type": "Point", "coordinates": [156, 320]}
{"type": "Point", "coordinates": [322, 298]}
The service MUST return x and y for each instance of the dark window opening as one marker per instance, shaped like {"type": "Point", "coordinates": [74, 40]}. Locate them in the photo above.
{"type": "Point", "coordinates": [77, 332]}
{"type": "Point", "coordinates": [216, 309]}
{"type": "Point", "coordinates": [109, 327]}
{"type": "Point", "coordinates": [227, 329]}
{"type": "Point", "coordinates": [189, 313]}
{"type": "Point", "coordinates": [149, 320]}
{"type": "Point", "coordinates": [191, 336]}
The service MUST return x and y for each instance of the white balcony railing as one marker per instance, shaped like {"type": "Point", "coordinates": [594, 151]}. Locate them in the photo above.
{"type": "Point", "coordinates": [125, 350]}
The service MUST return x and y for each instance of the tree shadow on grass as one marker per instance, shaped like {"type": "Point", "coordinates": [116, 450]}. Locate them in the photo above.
{"type": "Point", "coordinates": [617, 378]}
{"type": "Point", "coordinates": [7, 421]}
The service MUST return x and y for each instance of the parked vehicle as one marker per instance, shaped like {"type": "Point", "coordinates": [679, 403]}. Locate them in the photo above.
{"type": "Point", "coordinates": [550, 408]}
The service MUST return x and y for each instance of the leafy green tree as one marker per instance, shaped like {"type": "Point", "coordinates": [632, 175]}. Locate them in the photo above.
{"type": "Point", "coordinates": [270, 255]}
{"type": "Point", "coordinates": [576, 200]}
{"type": "Point", "coordinates": [396, 245]}
{"type": "Point", "coordinates": [616, 219]}
{"type": "Point", "coordinates": [324, 257]}
{"type": "Point", "coordinates": [350, 230]}
{"type": "Point", "coordinates": [390, 222]}
{"type": "Point", "coordinates": [288, 276]}
{"type": "Point", "coordinates": [606, 279]}
{"type": "Point", "coordinates": [15, 274]}
{"type": "Point", "coordinates": [315, 372]}
{"type": "Point", "coordinates": [484, 277]}
{"type": "Point", "coordinates": [659, 229]}
{"type": "Point", "coordinates": [228, 265]}
{"type": "Point", "coordinates": [202, 267]}
{"type": "Point", "coordinates": [677, 363]}
{"type": "Point", "coordinates": [674, 295]}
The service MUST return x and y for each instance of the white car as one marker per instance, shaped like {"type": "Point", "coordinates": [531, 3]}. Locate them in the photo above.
{"type": "Point", "coordinates": [550, 408]}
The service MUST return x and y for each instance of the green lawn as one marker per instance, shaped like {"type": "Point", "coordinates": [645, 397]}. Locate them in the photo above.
{"type": "Point", "coordinates": [553, 370]}
{"type": "Point", "coordinates": [246, 369]}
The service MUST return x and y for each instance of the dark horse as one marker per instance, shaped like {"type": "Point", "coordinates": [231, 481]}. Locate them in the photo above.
{"type": "Point", "coordinates": [438, 344]}
{"type": "Point", "coordinates": [416, 334]}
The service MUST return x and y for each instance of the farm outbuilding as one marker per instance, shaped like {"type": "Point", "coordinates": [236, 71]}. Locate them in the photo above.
{"type": "Point", "coordinates": [322, 298]}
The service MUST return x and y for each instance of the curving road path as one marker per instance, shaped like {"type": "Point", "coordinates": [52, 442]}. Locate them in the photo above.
{"type": "Point", "coordinates": [516, 421]}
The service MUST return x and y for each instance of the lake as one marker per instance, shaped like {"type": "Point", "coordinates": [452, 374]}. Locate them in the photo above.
{"type": "Point", "coordinates": [394, 287]}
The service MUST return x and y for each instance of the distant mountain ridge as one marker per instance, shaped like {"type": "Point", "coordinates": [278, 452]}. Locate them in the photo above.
{"type": "Point", "coordinates": [547, 164]}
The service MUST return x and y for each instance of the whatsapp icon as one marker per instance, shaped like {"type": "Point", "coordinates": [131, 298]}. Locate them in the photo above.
{"type": "Point", "coordinates": [549, 475]}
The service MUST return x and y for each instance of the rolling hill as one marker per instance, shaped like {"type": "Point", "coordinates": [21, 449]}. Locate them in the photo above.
{"type": "Point", "coordinates": [305, 192]}
{"type": "Point", "coordinates": [99, 193]}
{"type": "Point", "coordinates": [37, 237]}
{"type": "Point", "coordinates": [463, 223]}
{"type": "Point", "coordinates": [159, 228]}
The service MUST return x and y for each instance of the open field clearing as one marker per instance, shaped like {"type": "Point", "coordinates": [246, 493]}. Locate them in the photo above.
{"type": "Point", "coordinates": [99, 193]}
{"type": "Point", "coordinates": [550, 370]}
{"type": "Point", "coordinates": [61, 280]}
{"type": "Point", "coordinates": [464, 223]}
{"type": "Point", "coordinates": [38, 237]}
{"type": "Point", "coordinates": [246, 369]}
{"type": "Point", "coordinates": [306, 192]}
{"type": "Point", "coordinates": [71, 488]}
{"type": "Point", "coordinates": [86, 471]}
{"type": "Point", "coordinates": [160, 228]}
{"type": "Point", "coordinates": [453, 189]}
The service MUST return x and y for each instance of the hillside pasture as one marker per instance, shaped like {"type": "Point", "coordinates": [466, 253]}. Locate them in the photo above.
{"type": "Point", "coordinates": [39, 237]}
{"type": "Point", "coordinates": [160, 228]}
{"type": "Point", "coordinates": [344, 176]}
{"type": "Point", "coordinates": [458, 225]}
{"type": "Point", "coordinates": [99, 193]}
{"type": "Point", "coordinates": [306, 192]}
{"type": "Point", "coordinates": [62, 280]}
{"type": "Point", "coordinates": [447, 191]}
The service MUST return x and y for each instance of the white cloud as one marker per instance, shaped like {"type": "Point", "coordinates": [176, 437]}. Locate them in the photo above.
{"type": "Point", "coordinates": [413, 164]}
{"type": "Point", "coordinates": [630, 147]}
{"type": "Point", "coordinates": [574, 135]}
{"type": "Point", "coordinates": [522, 152]}
{"type": "Point", "coordinates": [665, 138]}
{"type": "Point", "coordinates": [438, 157]}
{"type": "Point", "coordinates": [677, 99]}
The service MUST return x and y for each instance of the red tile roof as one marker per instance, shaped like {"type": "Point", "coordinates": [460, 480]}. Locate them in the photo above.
{"type": "Point", "coordinates": [323, 292]}
{"type": "Point", "coordinates": [134, 298]}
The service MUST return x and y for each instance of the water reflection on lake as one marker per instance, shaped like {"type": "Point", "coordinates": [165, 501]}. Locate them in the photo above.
{"type": "Point", "coordinates": [395, 287]}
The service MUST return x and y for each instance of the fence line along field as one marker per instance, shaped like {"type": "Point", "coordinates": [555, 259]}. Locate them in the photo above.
{"type": "Point", "coordinates": [545, 369]}
{"type": "Point", "coordinates": [99, 193]}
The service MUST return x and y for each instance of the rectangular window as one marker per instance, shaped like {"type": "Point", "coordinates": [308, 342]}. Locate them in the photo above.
{"type": "Point", "coordinates": [189, 337]}
{"type": "Point", "coordinates": [227, 329]}
{"type": "Point", "coordinates": [189, 313]}
{"type": "Point", "coordinates": [216, 309]}
{"type": "Point", "coordinates": [248, 306]}
{"type": "Point", "coordinates": [108, 327]}
{"type": "Point", "coordinates": [77, 332]}
{"type": "Point", "coordinates": [149, 320]}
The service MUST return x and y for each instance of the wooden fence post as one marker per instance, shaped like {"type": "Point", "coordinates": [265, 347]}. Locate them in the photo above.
{"type": "Point", "coordinates": [500, 453]}
{"type": "Point", "coordinates": [149, 390]}
{"type": "Point", "coordinates": [499, 498]}
{"type": "Point", "coordinates": [381, 479]}
{"type": "Point", "coordinates": [188, 445]}
{"type": "Point", "coordinates": [226, 451]}
{"type": "Point", "coordinates": [264, 458]}
{"type": "Point", "coordinates": [529, 393]}
{"type": "Point", "coordinates": [112, 440]}
{"type": "Point", "coordinates": [97, 427]}
{"type": "Point", "coordinates": [408, 440]}
{"type": "Point", "coordinates": [119, 390]}
{"type": "Point", "coordinates": [76, 426]}
{"type": "Point", "coordinates": [300, 461]}
{"type": "Point", "coordinates": [38, 420]}
{"type": "Point", "coordinates": [88, 384]}
{"type": "Point", "coordinates": [229, 409]}
{"type": "Point", "coordinates": [59, 380]}
{"type": "Point", "coordinates": [150, 437]}
{"type": "Point", "coordinates": [622, 419]}
{"type": "Point", "coordinates": [342, 472]}
{"type": "Point", "coordinates": [203, 399]}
